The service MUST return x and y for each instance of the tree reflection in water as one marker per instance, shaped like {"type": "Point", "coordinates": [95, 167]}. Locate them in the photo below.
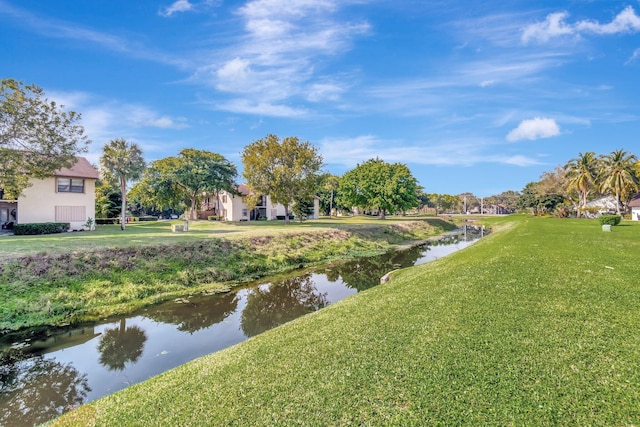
{"type": "Point", "coordinates": [365, 273]}
{"type": "Point", "coordinates": [278, 303]}
{"type": "Point", "coordinates": [197, 314]}
{"type": "Point", "coordinates": [118, 346]}
{"type": "Point", "coordinates": [36, 390]}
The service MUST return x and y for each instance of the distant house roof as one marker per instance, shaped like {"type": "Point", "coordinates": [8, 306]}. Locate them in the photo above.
{"type": "Point", "coordinates": [635, 201]}
{"type": "Point", "coordinates": [82, 169]}
{"type": "Point", "coordinates": [244, 189]}
{"type": "Point", "coordinates": [606, 202]}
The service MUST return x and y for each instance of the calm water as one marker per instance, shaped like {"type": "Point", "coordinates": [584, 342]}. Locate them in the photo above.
{"type": "Point", "coordinates": [65, 368]}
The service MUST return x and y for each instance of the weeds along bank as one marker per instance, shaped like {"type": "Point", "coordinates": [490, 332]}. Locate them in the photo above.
{"type": "Point", "coordinates": [54, 288]}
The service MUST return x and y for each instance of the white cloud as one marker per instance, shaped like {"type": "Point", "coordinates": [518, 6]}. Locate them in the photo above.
{"type": "Point", "coordinates": [277, 57]}
{"type": "Point", "coordinates": [555, 25]}
{"type": "Point", "coordinates": [634, 57]}
{"type": "Point", "coordinates": [177, 6]}
{"type": "Point", "coordinates": [534, 129]}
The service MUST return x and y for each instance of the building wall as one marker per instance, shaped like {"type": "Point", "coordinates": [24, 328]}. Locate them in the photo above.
{"type": "Point", "coordinates": [235, 209]}
{"type": "Point", "coordinates": [42, 203]}
{"type": "Point", "coordinates": [635, 213]}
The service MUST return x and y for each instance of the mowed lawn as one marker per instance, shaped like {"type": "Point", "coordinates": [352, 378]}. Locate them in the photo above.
{"type": "Point", "coordinates": [159, 232]}
{"type": "Point", "coordinates": [537, 324]}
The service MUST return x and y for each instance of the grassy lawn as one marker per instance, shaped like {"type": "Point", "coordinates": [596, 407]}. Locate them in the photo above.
{"type": "Point", "coordinates": [85, 276]}
{"type": "Point", "coordinates": [537, 324]}
{"type": "Point", "coordinates": [159, 232]}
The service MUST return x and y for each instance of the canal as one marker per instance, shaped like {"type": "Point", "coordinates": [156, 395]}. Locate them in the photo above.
{"type": "Point", "coordinates": [60, 369]}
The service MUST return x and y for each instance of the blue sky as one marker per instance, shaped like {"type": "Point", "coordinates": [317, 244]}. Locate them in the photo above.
{"type": "Point", "coordinates": [473, 96]}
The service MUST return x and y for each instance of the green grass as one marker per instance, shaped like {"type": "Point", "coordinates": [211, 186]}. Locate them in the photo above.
{"type": "Point", "coordinates": [537, 324]}
{"type": "Point", "coordinates": [88, 276]}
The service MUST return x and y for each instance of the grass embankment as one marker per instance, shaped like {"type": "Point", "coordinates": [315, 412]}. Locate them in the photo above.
{"type": "Point", "coordinates": [537, 324]}
{"type": "Point", "coordinates": [85, 276]}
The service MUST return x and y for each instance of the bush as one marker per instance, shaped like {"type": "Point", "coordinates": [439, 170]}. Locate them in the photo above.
{"type": "Point", "coordinates": [103, 221]}
{"type": "Point", "coordinates": [148, 218]}
{"type": "Point", "coordinates": [610, 219]}
{"type": "Point", "coordinates": [212, 218]}
{"type": "Point", "coordinates": [41, 228]}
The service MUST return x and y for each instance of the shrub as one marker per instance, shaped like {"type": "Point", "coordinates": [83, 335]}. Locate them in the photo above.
{"type": "Point", "coordinates": [610, 219]}
{"type": "Point", "coordinates": [148, 218]}
{"type": "Point", "coordinates": [212, 218]}
{"type": "Point", "coordinates": [40, 228]}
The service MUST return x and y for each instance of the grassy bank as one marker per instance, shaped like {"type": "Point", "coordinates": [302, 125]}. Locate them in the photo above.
{"type": "Point", "coordinates": [85, 276]}
{"type": "Point", "coordinates": [536, 324]}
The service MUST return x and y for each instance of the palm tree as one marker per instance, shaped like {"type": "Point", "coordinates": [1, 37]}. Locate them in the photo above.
{"type": "Point", "coordinates": [121, 161]}
{"type": "Point", "coordinates": [618, 174]}
{"type": "Point", "coordinates": [581, 173]}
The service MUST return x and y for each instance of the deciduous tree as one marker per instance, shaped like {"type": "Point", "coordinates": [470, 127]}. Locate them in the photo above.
{"type": "Point", "coordinates": [37, 136]}
{"type": "Point", "coordinates": [182, 180]}
{"type": "Point", "coordinates": [378, 185]}
{"type": "Point", "coordinates": [286, 170]}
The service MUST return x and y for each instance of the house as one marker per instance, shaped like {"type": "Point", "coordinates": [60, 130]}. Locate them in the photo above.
{"type": "Point", "coordinates": [604, 204]}
{"type": "Point", "coordinates": [233, 207]}
{"type": "Point", "coordinates": [67, 196]}
{"type": "Point", "coordinates": [634, 204]}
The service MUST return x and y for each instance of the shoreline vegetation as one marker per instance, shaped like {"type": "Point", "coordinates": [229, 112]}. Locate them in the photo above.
{"type": "Point", "coordinates": [536, 324]}
{"type": "Point", "coordinates": [82, 277]}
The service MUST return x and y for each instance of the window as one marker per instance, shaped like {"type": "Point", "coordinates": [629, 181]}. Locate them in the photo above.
{"type": "Point", "coordinates": [70, 185]}
{"type": "Point", "coordinates": [244, 212]}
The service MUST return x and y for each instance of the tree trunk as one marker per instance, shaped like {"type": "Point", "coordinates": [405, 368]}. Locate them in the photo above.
{"type": "Point", "coordinates": [382, 214]}
{"type": "Point", "coordinates": [286, 214]}
{"type": "Point", "coordinates": [331, 205]}
{"type": "Point", "coordinates": [123, 212]}
{"type": "Point", "coordinates": [192, 212]}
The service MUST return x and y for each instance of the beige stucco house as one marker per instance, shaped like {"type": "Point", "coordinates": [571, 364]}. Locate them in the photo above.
{"type": "Point", "coordinates": [68, 196]}
{"type": "Point", "coordinates": [232, 207]}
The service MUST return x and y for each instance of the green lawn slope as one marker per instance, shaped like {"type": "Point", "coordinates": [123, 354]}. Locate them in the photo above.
{"type": "Point", "coordinates": [537, 324]}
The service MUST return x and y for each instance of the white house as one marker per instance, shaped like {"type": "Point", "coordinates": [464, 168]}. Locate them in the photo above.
{"type": "Point", "coordinates": [67, 196]}
{"type": "Point", "coordinates": [234, 208]}
{"type": "Point", "coordinates": [635, 207]}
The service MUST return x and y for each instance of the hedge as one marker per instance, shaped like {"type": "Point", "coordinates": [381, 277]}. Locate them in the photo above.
{"type": "Point", "coordinates": [41, 228]}
{"type": "Point", "coordinates": [148, 218]}
{"type": "Point", "coordinates": [103, 221]}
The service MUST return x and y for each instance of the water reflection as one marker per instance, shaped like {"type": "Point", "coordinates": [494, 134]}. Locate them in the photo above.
{"type": "Point", "coordinates": [37, 390]}
{"type": "Point", "coordinates": [195, 314]}
{"type": "Point", "coordinates": [118, 346]}
{"type": "Point", "coordinates": [76, 365]}
{"type": "Point", "coordinates": [271, 305]}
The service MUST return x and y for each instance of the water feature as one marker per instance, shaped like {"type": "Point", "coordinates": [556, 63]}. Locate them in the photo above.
{"type": "Point", "coordinates": [42, 377]}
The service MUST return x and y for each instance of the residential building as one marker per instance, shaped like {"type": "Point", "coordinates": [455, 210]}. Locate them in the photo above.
{"type": "Point", "coordinates": [233, 207]}
{"type": "Point", "coordinates": [67, 196]}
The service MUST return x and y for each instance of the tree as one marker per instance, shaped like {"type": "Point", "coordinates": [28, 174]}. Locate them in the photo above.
{"type": "Point", "coordinates": [37, 137]}
{"type": "Point", "coordinates": [121, 161]}
{"type": "Point", "coordinates": [378, 185]}
{"type": "Point", "coordinates": [618, 174]}
{"type": "Point", "coordinates": [581, 173]}
{"type": "Point", "coordinates": [181, 181]}
{"type": "Point", "coordinates": [286, 170]}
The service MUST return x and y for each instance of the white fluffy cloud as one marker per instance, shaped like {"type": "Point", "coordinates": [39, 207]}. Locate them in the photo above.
{"type": "Point", "coordinates": [535, 128]}
{"type": "Point", "coordinates": [555, 25]}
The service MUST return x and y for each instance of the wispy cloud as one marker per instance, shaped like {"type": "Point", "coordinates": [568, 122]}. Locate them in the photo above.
{"type": "Point", "coordinates": [465, 152]}
{"type": "Point", "coordinates": [276, 57]}
{"type": "Point", "coordinates": [556, 25]}
{"type": "Point", "coordinates": [59, 29]}
{"type": "Point", "coordinates": [534, 129]}
{"type": "Point", "coordinates": [177, 6]}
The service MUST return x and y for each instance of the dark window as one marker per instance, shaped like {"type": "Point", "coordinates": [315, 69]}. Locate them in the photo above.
{"type": "Point", "coordinates": [70, 185]}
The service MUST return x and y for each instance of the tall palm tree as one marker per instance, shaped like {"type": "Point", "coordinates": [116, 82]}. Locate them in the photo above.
{"type": "Point", "coordinates": [122, 161]}
{"type": "Point", "coordinates": [618, 174]}
{"type": "Point", "coordinates": [581, 173]}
